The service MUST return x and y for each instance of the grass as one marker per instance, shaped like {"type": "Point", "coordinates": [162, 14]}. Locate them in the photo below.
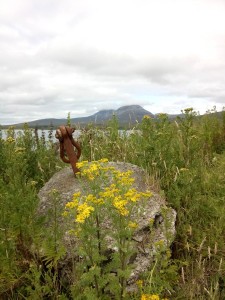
{"type": "Point", "coordinates": [185, 159]}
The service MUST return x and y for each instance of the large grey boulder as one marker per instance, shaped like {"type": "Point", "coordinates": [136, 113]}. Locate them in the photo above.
{"type": "Point", "coordinates": [156, 223]}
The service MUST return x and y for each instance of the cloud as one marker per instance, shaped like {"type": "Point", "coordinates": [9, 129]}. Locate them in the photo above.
{"type": "Point", "coordinates": [84, 56]}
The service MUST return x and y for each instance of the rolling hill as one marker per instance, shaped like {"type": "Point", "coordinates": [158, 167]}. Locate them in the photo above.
{"type": "Point", "coordinates": [126, 115]}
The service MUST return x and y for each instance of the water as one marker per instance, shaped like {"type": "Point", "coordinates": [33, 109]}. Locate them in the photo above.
{"type": "Point", "coordinates": [45, 133]}
{"type": "Point", "coordinates": [76, 134]}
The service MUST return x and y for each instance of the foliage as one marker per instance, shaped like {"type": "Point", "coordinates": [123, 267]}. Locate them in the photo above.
{"type": "Point", "coordinates": [185, 160]}
{"type": "Point", "coordinates": [25, 165]}
{"type": "Point", "coordinates": [104, 213]}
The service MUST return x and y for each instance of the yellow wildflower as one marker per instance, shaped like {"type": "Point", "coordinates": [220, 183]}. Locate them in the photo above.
{"type": "Point", "coordinates": [76, 195]}
{"type": "Point", "coordinates": [10, 139]}
{"type": "Point", "coordinates": [92, 171]}
{"type": "Point", "coordinates": [168, 253]}
{"type": "Point", "coordinates": [149, 297]}
{"type": "Point", "coordinates": [71, 204]}
{"type": "Point", "coordinates": [132, 195]}
{"type": "Point", "coordinates": [112, 188]}
{"type": "Point", "coordinates": [103, 160]}
{"type": "Point", "coordinates": [123, 178]}
{"type": "Point", "coordinates": [90, 198]}
{"type": "Point", "coordinates": [159, 244]}
{"type": "Point", "coordinates": [120, 204]}
{"type": "Point", "coordinates": [109, 192]}
{"type": "Point", "coordinates": [91, 177]}
{"type": "Point", "coordinates": [151, 221]}
{"type": "Point", "coordinates": [132, 225]}
{"type": "Point", "coordinates": [139, 283]}
{"type": "Point", "coordinates": [119, 174]}
{"type": "Point", "coordinates": [19, 150]}
{"type": "Point", "coordinates": [93, 168]}
{"type": "Point", "coordinates": [147, 194]}
{"type": "Point", "coordinates": [75, 202]}
{"type": "Point", "coordinates": [99, 201]}
{"type": "Point", "coordinates": [84, 210]}
{"type": "Point", "coordinates": [154, 297]}
{"type": "Point", "coordinates": [106, 194]}
{"type": "Point", "coordinates": [65, 214]}
{"type": "Point", "coordinates": [81, 164]}
{"type": "Point", "coordinates": [74, 232]}
{"type": "Point", "coordinates": [126, 181]}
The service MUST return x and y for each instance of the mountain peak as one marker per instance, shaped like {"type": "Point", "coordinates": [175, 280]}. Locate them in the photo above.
{"type": "Point", "coordinates": [126, 115]}
{"type": "Point", "coordinates": [129, 107]}
{"type": "Point", "coordinates": [133, 112]}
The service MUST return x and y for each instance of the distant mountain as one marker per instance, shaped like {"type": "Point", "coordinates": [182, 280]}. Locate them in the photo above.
{"type": "Point", "coordinates": [129, 114]}
{"type": "Point", "coordinates": [126, 115]}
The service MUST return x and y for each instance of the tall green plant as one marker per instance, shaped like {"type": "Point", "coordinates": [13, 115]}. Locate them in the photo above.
{"type": "Point", "coordinates": [105, 213]}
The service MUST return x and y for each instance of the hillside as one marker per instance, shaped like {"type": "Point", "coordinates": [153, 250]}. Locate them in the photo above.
{"type": "Point", "coordinates": [127, 115]}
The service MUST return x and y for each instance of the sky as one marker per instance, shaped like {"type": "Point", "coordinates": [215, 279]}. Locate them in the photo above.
{"type": "Point", "coordinates": [83, 56]}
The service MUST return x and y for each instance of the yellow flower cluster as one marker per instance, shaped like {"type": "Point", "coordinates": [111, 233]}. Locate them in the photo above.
{"type": "Point", "coordinates": [116, 191]}
{"type": "Point", "coordinates": [120, 205]}
{"type": "Point", "coordinates": [74, 232]}
{"type": "Point", "coordinates": [84, 210]}
{"type": "Point", "coordinates": [139, 283]}
{"type": "Point", "coordinates": [151, 222]}
{"type": "Point", "coordinates": [76, 195]}
{"type": "Point", "coordinates": [10, 140]}
{"type": "Point", "coordinates": [19, 150]}
{"type": "Point", "coordinates": [71, 204]}
{"type": "Point", "coordinates": [92, 170]}
{"type": "Point", "coordinates": [109, 192]}
{"type": "Point", "coordinates": [159, 244]}
{"type": "Point", "coordinates": [85, 163]}
{"type": "Point", "coordinates": [82, 164]}
{"type": "Point", "coordinates": [75, 201]}
{"type": "Point", "coordinates": [133, 225]}
{"type": "Point", "coordinates": [123, 178]}
{"type": "Point", "coordinates": [149, 297]}
{"type": "Point", "coordinates": [103, 160]}
{"type": "Point", "coordinates": [91, 198]}
{"type": "Point", "coordinates": [133, 195]}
